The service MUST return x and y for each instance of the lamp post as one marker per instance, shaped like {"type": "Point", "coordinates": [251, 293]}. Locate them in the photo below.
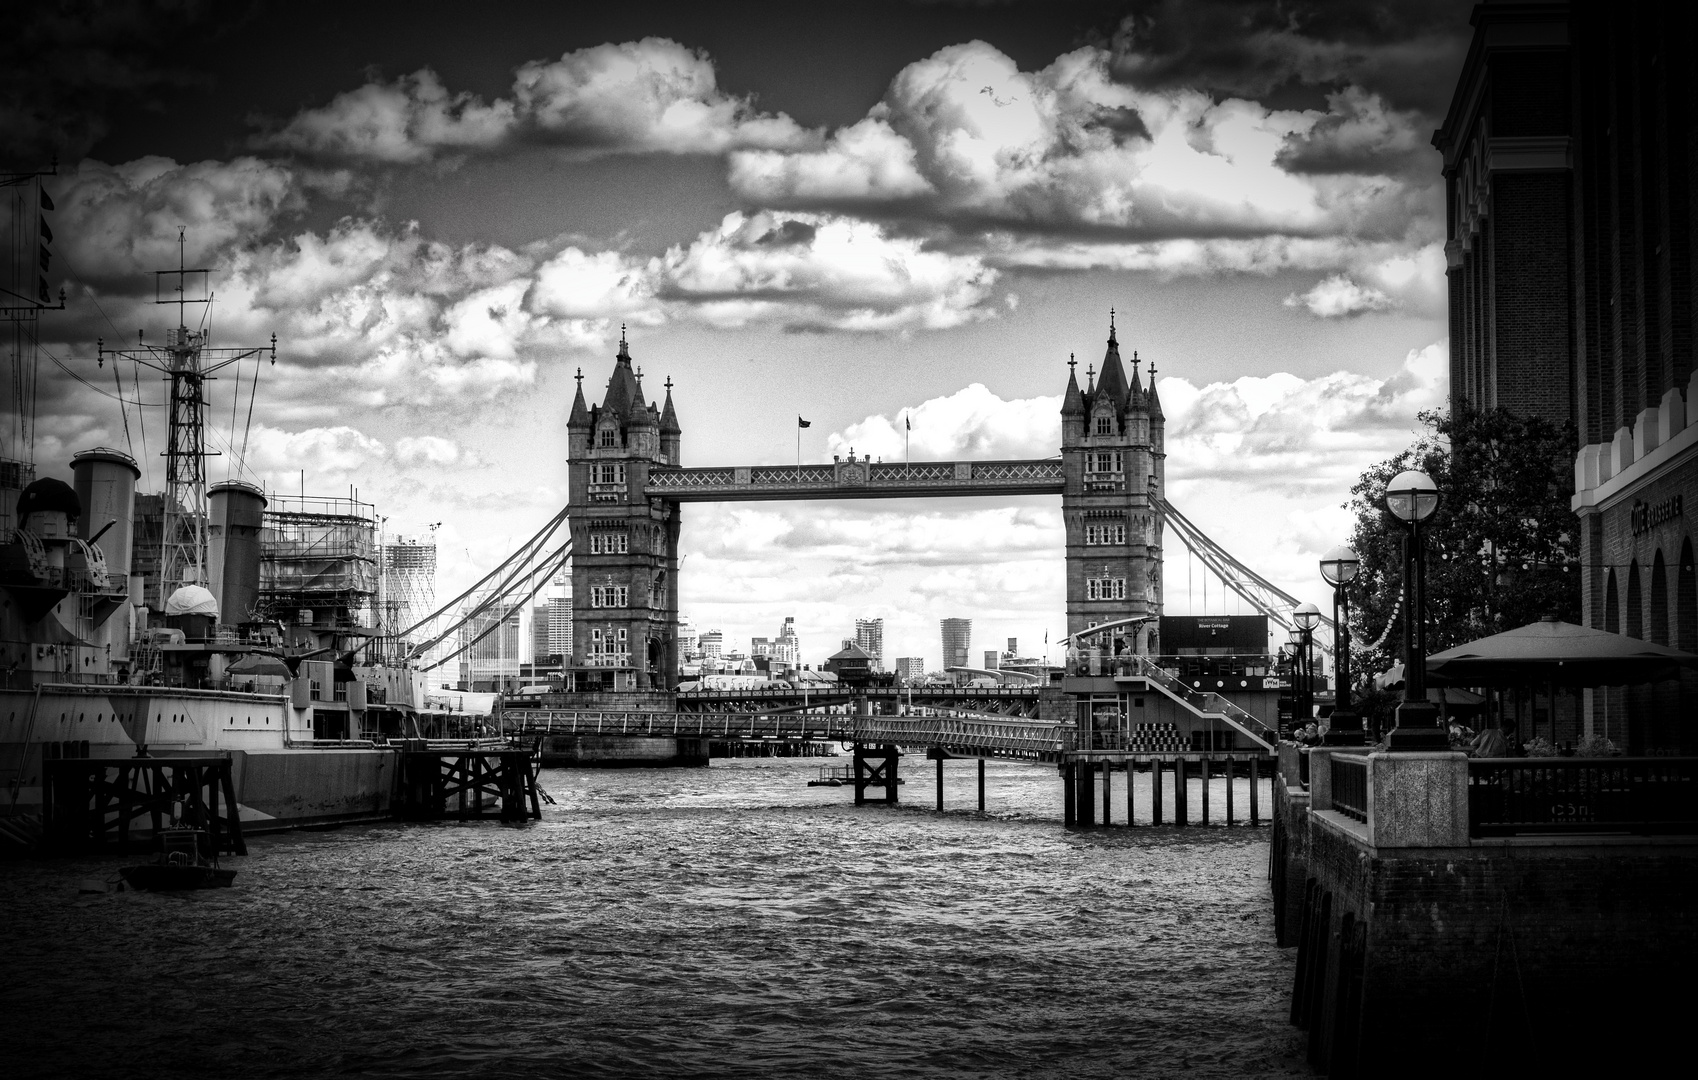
{"type": "Point", "coordinates": [1307, 616]}
{"type": "Point", "coordinates": [1302, 705]}
{"type": "Point", "coordinates": [1411, 497]}
{"type": "Point", "coordinates": [1339, 567]}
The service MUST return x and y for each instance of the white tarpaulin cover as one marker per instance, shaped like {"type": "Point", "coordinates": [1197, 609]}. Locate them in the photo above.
{"type": "Point", "coordinates": [191, 600]}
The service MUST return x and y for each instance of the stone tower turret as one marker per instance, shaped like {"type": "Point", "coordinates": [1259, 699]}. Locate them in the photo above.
{"type": "Point", "coordinates": [1112, 465]}
{"type": "Point", "coordinates": [624, 543]}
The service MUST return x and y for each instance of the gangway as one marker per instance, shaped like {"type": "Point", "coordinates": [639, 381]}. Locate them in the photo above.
{"type": "Point", "coordinates": [1205, 704]}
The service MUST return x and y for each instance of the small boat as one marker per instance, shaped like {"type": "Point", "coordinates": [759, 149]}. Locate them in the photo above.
{"type": "Point", "coordinates": [180, 865]}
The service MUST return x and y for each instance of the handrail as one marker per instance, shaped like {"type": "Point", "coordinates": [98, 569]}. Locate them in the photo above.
{"type": "Point", "coordinates": [1510, 796]}
{"type": "Point", "coordinates": [1350, 786]}
{"type": "Point", "coordinates": [1204, 703]}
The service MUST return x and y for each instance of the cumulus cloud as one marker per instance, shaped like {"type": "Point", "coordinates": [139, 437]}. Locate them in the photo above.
{"type": "Point", "coordinates": [813, 271]}
{"type": "Point", "coordinates": [651, 96]}
{"type": "Point", "coordinates": [431, 451]}
{"type": "Point", "coordinates": [1338, 297]}
{"type": "Point", "coordinates": [965, 135]}
{"type": "Point", "coordinates": [972, 422]}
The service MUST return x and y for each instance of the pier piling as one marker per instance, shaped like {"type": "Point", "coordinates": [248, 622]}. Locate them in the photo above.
{"type": "Point", "coordinates": [1155, 791]}
{"type": "Point", "coordinates": [981, 785]}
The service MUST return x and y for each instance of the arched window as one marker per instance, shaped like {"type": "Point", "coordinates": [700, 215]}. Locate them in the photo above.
{"type": "Point", "coordinates": [1659, 600]}
{"type": "Point", "coordinates": [1686, 601]}
{"type": "Point", "coordinates": [1105, 425]}
{"type": "Point", "coordinates": [1612, 605]}
{"type": "Point", "coordinates": [1635, 603]}
{"type": "Point", "coordinates": [609, 437]}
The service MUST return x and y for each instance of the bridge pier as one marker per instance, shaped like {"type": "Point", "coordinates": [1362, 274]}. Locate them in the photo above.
{"type": "Point", "coordinates": [981, 785]}
{"type": "Point", "coordinates": [1155, 791]}
{"type": "Point", "coordinates": [1108, 773]}
{"type": "Point", "coordinates": [1068, 784]}
{"type": "Point", "coordinates": [1085, 788]}
{"type": "Point", "coordinates": [940, 783]}
{"type": "Point", "coordinates": [875, 768]}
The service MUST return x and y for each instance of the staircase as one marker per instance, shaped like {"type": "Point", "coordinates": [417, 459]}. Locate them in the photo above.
{"type": "Point", "coordinates": [1208, 705]}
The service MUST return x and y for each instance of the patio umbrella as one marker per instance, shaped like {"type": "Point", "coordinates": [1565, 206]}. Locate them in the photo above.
{"type": "Point", "coordinates": [1554, 652]}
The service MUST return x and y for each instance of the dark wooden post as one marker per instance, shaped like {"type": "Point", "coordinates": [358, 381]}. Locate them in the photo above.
{"type": "Point", "coordinates": [1207, 767]}
{"type": "Point", "coordinates": [1086, 784]}
{"type": "Point", "coordinates": [1108, 773]}
{"type": "Point", "coordinates": [1181, 812]}
{"type": "Point", "coordinates": [940, 783]}
{"type": "Point", "coordinates": [1131, 778]}
{"type": "Point", "coordinates": [1155, 791]}
{"type": "Point", "coordinates": [981, 785]}
{"type": "Point", "coordinates": [1068, 781]}
{"type": "Point", "coordinates": [1255, 793]}
{"type": "Point", "coordinates": [1231, 781]}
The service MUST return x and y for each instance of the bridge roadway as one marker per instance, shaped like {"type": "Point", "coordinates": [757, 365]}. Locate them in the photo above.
{"type": "Point", "coordinates": [994, 701]}
{"type": "Point", "coordinates": [1025, 740]}
{"type": "Point", "coordinates": [857, 478]}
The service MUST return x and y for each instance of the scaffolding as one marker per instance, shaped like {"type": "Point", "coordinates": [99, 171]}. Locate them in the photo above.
{"type": "Point", "coordinates": [318, 561]}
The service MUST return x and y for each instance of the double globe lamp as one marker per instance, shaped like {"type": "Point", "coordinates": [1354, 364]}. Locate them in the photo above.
{"type": "Point", "coordinates": [1339, 567]}
{"type": "Point", "coordinates": [1307, 617]}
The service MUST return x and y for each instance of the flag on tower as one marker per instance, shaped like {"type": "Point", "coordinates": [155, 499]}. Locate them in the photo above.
{"type": "Point", "coordinates": [801, 423]}
{"type": "Point", "coordinates": [907, 424]}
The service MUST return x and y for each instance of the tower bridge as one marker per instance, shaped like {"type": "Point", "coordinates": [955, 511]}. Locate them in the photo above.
{"type": "Point", "coordinates": [628, 486]}
{"type": "Point", "coordinates": [627, 490]}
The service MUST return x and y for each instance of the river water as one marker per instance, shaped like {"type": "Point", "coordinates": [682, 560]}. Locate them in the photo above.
{"type": "Point", "coordinates": [719, 922]}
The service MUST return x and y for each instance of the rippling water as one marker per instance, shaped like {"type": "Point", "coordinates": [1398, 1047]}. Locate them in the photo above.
{"type": "Point", "coordinates": [728, 921]}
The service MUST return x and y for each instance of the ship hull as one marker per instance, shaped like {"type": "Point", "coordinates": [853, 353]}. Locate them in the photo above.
{"type": "Point", "coordinates": [282, 779]}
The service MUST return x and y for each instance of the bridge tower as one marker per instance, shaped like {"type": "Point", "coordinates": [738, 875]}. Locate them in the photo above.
{"type": "Point", "coordinates": [1114, 469]}
{"type": "Point", "coordinates": [624, 543]}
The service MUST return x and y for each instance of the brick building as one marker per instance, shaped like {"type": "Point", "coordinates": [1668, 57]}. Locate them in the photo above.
{"type": "Point", "coordinates": [1569, 152]}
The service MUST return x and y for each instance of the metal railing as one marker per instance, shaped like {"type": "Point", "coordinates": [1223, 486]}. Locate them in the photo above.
{"type": "Point", "coordinates": [1350, 786]}
{"type": "Point", "coordinates": [1001, 738]}
{"type": "Point", "coordinates": [1206, 703]}
{"type": "Point", "coordinates": [1510, 796]}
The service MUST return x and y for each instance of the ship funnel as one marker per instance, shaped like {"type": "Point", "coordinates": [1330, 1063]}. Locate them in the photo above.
{"type": "Point", "coordinates": [238, 513]}
{"type": "Point", "coordinates": [105, 481]}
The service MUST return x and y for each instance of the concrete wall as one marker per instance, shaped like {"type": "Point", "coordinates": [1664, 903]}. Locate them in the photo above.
{"type": "Point", "coordinates": [1421, 949]}
{"type": "Point", "coordinates": [290, 787]}
{"type": "Point", "coordinates": [619, 751]}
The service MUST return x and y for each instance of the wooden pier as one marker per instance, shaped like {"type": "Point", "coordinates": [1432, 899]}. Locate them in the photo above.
{"type": "Point", "coordinates": [467, 783]}
{"type": "Point", "coordinates": [93, 804]}
{"type": "Point", "coordinates": [1080, 790]}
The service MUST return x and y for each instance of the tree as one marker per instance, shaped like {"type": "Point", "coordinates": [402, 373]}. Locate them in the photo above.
{"type": "Point", "coordinates": [1500, 548]}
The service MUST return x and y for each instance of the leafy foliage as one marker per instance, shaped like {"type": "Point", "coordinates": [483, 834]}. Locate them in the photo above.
{"type": "Point", "coordinates": [1500, 548]}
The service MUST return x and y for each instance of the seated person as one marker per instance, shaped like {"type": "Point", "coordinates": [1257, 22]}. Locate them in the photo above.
{"type": "Point", "coordinates": [1491, 742]}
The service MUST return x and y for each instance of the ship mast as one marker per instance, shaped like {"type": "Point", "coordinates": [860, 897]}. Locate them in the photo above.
{"type": "Point", "coordinates": [187, 361]}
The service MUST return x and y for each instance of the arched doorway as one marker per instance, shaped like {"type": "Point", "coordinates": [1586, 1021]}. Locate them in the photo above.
{"type": "Point", "coordinates": [1659, 600]}
{"type": "Point", "coordinates": [1686, 601]}
{"type": "Point", "coordinates": [1635, 627]}
{"type": "Point", "coordinates": [1612, 604]}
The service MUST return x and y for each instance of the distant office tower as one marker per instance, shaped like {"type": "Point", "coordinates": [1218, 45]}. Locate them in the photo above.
{"type": "Point", "coordinates": [991, 659]}
{"type": "Point", "coordinates": [539, 633]}
{"type": "Point", "coordinates": [869, 635]}
{"type": "Point", "coordinates": [409, 582]}
{"type": "Point", "coordinates": [760, 646]}
{"type": "Point", "coordinates": [1014, 646]}
{"type": "Point", "coordinates": [560, 626]}
{"type": "Point", "coordinates": [689, 642]}
{"type": "Point", "coordinates": [789, 648]}
{"type": "Point", "coordinates": [957, 642]}
{"type": "Point", "coordinates": [491, 657]}
{"type": "Point", "coordinates": [911, 667]}
{"type": "Point", "coordinates": [713, 643]}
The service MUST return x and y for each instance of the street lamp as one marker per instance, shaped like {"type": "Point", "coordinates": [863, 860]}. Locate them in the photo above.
{"type": "Point", "coordinates": [1339, 567]}
{"type": "Point", "coordinates": [1303, 709]}
{"type": "Point", "coordinates": [1411, 497]}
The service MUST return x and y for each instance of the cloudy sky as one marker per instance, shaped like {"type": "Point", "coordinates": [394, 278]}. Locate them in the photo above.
{"type": "Point", "coordinates": [843, 212]}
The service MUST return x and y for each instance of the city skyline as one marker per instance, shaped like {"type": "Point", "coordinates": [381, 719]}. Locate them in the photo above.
{"type": "Point", "coordinates": [901, 237]}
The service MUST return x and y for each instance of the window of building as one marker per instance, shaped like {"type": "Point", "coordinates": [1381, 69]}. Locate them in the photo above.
{"type": "Point", "coordinates": [1105, 425]}
{"type": "Point", "coordinates": [1105, 589]}
{"type": "Point", "coordinates": [1105, 462]}
{"type": "Point", "coordinates": [1105, 534]}
{"type": "Point", "coordinates": [609, 474]}
{"type": "Point", "coordinates": [609, 437]}
{"type": "Point", "coordinates": [610, 596]}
